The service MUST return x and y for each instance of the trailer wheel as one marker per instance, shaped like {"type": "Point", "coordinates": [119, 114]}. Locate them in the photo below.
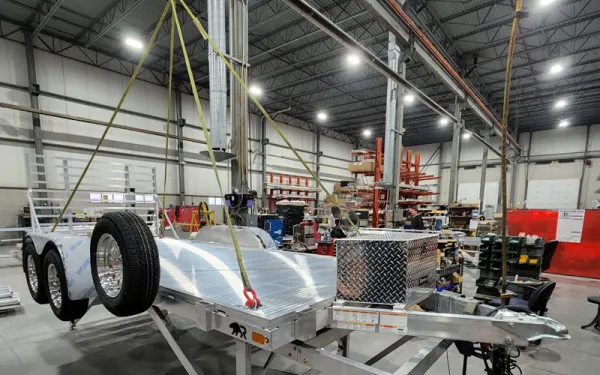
{"type": "Point", "coordinates": [57, 292]}
{"type": "Point", "coordinates": [125, 263]}
{"type": "Point", "coordinates": [35, 280]}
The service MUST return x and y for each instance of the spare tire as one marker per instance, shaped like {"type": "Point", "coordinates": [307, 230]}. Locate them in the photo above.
{"type": "Point", "coordinates": [125, 263]}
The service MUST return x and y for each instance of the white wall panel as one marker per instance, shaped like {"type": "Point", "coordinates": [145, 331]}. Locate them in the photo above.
{"type": "Point", "coordinates": [14, 161]}
{"type": "Point", "coordinates": [13, 67]}
{"type": "Point", "coordinates": [564, 140]}
{"type": "Point", "coordinates": [553, 194]}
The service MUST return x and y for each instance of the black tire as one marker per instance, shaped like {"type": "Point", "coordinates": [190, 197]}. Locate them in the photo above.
{"type": "Point", "coordinates": [139, 256]}
{"type": "Point", "coordinates": [37, 290]}
{"type": "Point", "coordinates": [67, 310]}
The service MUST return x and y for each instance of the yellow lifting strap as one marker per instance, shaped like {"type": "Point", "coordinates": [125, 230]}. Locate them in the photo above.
{"type": "Point", "coordinates": [262, 109]}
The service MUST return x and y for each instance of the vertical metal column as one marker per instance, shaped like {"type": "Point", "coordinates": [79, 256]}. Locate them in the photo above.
{"type": "Point", "coordinates": [455, 155]}
{"type": "Point", "coordinates": [263, 159]}
{"type": "Point", "coordinates": [484, 161]}
{"type": "Point", "coordinates": [527, 169]}
{"type": "Point", "coordinates": [67, 181]}
{"type": "Point", "coordinates": [318, 160]}
{"type": "Point", "coordinates": [238, 45]}
{"type": "Point", "coordinates": [398, 143]}
{"type": "Point", "coordinates": [180, 156]}
{"type": "Point", "coordinates": [580, 201]}
{"type": "Point", "coordinates": [34, 101]}
{"type": "Point", "coordinates": [243, 356]}
{"type": "Point", "coordinates": [390, 115]}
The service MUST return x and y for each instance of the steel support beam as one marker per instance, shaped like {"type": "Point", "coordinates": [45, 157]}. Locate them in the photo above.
{"type": "Point", "coordinates": [398, 134]}
{"type": "Point", "coordinates": [391, 117]}
{"type": "Point", "coordinates": [263, 159]}
{"type": "Point", "coordinates": [34, 90]}
{"type": "Point", "coordinates": [318, 159]}
{"type": "Point", "coordinates": [180, 157]}
{"type": "Point", "coordinates": [108, 20]}
{"type": "Point", "coordinates": [46, 18]}
{"type": "Point", "coordinates": [319, 20]}
{"type": "Point", "coordinates": [484, 160]}
{"type": "Point", "coordinates": [452, 189]}
{"type": "Point", "coordinates": [580, 200]}
{"type": "Point", "coordinates": [513, 178]}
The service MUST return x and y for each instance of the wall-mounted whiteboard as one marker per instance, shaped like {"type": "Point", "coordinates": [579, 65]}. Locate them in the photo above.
{"type": "Point", "coordinates": [553, 194]}
{"type": "Point", "coordinates": [468, 192]}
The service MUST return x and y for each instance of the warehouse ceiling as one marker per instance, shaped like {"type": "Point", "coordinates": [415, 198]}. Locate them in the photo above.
{"type": "Point", "coordinates": [556, 58]}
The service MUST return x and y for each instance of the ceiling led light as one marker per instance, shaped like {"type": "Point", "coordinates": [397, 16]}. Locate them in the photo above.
{"type": "Point", "coordinates": [134, 43]}
{"type": "Point", "coordinates": [466, 135]}
{"type": "Point", "coordinates": [255, 90]}
{"type": "Point", "coordinates": [409, 99]}
{"type": "Point", "coordinates": [556, 68]}
{"type": "Point", "coordinates": [563, 124]}
{"type": "Point", "coordinates": [444, 121]}
{"type": "Point", "coordinates": [322, 116]}
{"type": "Point", "coordinates": [546, 2]}
{"type": "Point", "coordinates": [353, 59]}
{"type": "Point", "coordinates": [367, 133]}
{"type": "Point", "coordinates": [560, 104]}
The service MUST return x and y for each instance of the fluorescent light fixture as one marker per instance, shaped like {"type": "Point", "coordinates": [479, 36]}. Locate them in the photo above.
{"type": "Point", "coordinates": [353, 59]}
{"type": "Point", "coordinates": [444, 121]}
{"type": "Point", "coordinates": [322, 116]}
{"type": "Point", "coordinates": [560, 104]}
{"type": "Point", "coordinates": [134, 43]}
{"type": "Point", "coordinates": [563, 124]}
{"type": "Point", "coordinates": [409, 98]}
{"type": "Point", "coordinates": [546, 2]}
{"type": "Point", "coordinates": [255, 90]}
{"type": "Point", "coordinates": [466, 135]}
{"type": "Point", "coordinates": [556, 68]}
{"type": "Point", "coordinates": [367, 133]}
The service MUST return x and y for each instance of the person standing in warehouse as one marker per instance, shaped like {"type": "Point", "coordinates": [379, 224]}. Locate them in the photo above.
{"type": "Point", "coordinates": [416, 220]}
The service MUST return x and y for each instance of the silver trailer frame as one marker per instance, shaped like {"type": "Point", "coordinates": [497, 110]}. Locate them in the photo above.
{"type": "Point", "coordinates": [200, 281]}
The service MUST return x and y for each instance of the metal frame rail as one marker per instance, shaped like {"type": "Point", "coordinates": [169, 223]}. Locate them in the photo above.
{"type": "Point", "coordinates": [302, 337]}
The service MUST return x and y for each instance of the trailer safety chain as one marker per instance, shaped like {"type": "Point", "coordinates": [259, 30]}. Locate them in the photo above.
{"type": "Point", "coordinates": [164, 197]}
{"type": "Point", "coordinates": [236, 245]}
{"type": "Point", "coordinates": [114, 115]}
{"type": "Point", "coordinates": [262, 109]}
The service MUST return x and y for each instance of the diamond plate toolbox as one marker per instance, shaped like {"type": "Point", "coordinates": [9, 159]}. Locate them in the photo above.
{"type": "Point", "coordinates": [388, 268]}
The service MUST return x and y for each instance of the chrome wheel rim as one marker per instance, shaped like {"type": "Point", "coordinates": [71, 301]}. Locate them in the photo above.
{"type": "Point", "coordinates": [32, 274]}
{"type": "Point", "coordinates": [54, 286]}
{"type": "Point", "coordinates": [109, 265]}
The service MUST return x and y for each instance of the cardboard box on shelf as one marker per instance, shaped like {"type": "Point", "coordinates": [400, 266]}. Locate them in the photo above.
{"type": "Point", "coordinates": [361, 166]}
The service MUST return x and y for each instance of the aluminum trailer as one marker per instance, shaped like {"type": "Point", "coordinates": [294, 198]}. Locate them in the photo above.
{"type": "Point", "coordinates": [200, 280]}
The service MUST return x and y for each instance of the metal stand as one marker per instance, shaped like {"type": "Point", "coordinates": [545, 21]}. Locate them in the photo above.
{"type": "Point", "coordinates": [243, 354]}
{"type": "Point", "coordinates": [159, 319]}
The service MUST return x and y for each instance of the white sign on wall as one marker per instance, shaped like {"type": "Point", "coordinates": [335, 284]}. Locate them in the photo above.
{"type": "Point", "coordinates": [570, 225]}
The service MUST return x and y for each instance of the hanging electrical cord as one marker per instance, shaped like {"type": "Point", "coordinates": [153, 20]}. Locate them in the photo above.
{"type": "Point", "coordinates": [171, 48]}
{"type": "Point", "coordinates": [260, 107]}
{"type": "Point", "coordinates": [251, 301]}
{"type": "Point", "coordinates": [114, 115]}
{"type": "Point", "coordinates": [509, 61]}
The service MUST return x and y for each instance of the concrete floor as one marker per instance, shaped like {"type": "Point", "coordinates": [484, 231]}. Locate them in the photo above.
{"type": "Point", "coordinates": [34, 342]}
